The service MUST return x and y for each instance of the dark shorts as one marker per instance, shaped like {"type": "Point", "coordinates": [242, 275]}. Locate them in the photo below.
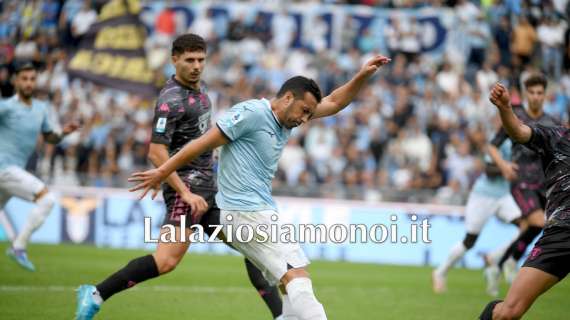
{"type": "Point", "coordinates": [528, 200]}
{"type": "Point", "coordinates": [551, 253]}
{"type": "Point", "coordinates": [176, 208]}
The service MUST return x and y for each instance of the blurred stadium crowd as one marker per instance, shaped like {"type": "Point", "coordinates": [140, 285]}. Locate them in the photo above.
{"type": "Point", "coordinates": [415, 134]}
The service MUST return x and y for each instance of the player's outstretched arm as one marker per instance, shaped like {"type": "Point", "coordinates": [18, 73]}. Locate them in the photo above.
{"type": "Point", "coordinates": [152, 178]}
{"type": "Point", "coordinates": [517, 130]}
{"type": "Point", "coordinates": [342, 96]}
{"type": "Point", "coordinates": [54, 138]}
{"type": "Point", "coordinates": [158, 155]}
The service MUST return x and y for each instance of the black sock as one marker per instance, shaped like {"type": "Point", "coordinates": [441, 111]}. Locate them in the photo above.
{"type": "Point", "coordinates": [487, 313]}
{"type": "Point", "coordinates": [518, 247]}
{"type": "Point", "coordinates": [269, 294]}
{"type": "Point", "coordinates": [136, 271]}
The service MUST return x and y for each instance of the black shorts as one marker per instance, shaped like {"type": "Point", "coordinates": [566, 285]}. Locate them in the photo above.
{"type": "Point", "coordinates": [551, 253]}
{"type": "Point", "coordinates": [528, 200]}
{"type": "Point", "coordinates": [175, 208]}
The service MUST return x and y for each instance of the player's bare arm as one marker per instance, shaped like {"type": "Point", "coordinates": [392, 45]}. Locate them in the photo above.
{"type": "Point", "coordinates": [508, 169]}
{"type": "Point", "coordinates": [55, 138]}
{"type": "Point", "coordinates": [342, 96]}
{"type": "Point", "coordinates": [151, 178]}
{"type": "Point", "coordinates": [158, 154]}
{"type": "Point", "coordinates": [517, 130]}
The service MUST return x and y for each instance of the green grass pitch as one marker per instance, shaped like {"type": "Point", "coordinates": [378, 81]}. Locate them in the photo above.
{"type": "Point", "coordinates": [216, 287]}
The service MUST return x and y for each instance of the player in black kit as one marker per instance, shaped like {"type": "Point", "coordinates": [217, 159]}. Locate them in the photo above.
{"type": "Point", "coordinates": [549, 260]}
{"type": "Point", "coordinates": [526, 175]}
{"type": "Point", "coordinates": [182, 114]}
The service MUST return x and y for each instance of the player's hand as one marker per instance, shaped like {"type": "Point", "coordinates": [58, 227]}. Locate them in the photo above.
{"type": "Point", "coordinates": [198, 205]}
{"type": "Point", "coordinates": [70, 127]}
{"type": "Point", "coordinates": [149, 179]}
{"type": "Point", "coordinates": [509, 171]}
{"type": "Point", "coordinates": [374, 64]}
{"type": "Point", "coordinates": [500, 97]}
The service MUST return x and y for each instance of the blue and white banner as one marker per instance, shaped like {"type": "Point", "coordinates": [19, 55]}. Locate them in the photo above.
{"type": "Point", "coordinates": [114, 218]}
{"type": "Point", "coordinates": [312, 26]}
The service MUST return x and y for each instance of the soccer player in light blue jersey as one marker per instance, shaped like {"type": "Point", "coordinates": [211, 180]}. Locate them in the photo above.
{"type": "Point", "coordinates": [490, 196]}
{"type": "Point", "coordinates": [22, 118]}
{"type": "Point", "coordinates": [252, 135]}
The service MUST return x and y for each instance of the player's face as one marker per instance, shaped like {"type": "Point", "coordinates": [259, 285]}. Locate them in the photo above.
{"type": "Point", "coordinates": [189, 65]}
{"type": "Point", "coordinates": [535, 97]}
{"type": "Point", "coordinates": [25, 83]}
{"type": "Point", "coordinates": [299, 111]}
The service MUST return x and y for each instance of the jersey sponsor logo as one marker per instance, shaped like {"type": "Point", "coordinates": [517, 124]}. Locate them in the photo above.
{"type": "Point", "coordinates": [236, 118]}
{"type": "Point", "coordinates": [203, 122]}
{"type": "Point", "coordinates": [160, 125]}
{"type": "Point", "coordinates": [164, 108]}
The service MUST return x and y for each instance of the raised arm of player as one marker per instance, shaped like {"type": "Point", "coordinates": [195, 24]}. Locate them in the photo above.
{"type": "Point", "coordinates": [515, 128]}
{"type": "Point", "coordinates": [343, 95]}
{"type": "Point", "coordinates": [152, 178]}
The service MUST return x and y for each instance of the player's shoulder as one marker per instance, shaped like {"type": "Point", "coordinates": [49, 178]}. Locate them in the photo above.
{"type": "Point", "coordinates": [550, 120]}
{"type": "Point", "coordinates": [254, 107]}
{"type": "Point", "coordinates": [171, 93]}
{"type": "Point", "coordinates": [43, 104]}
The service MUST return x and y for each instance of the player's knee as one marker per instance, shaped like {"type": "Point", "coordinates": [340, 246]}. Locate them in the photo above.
{"type": "Point", "coordinates": [510, 311]}
{"type": "Point", "coordinates": [46, 198]}
{"type": "Point", "coordinates": [470, 240]}
{"type": "Point", "coordinates": [166, 264]}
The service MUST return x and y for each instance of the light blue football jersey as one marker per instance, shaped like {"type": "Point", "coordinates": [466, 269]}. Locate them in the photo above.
{"type": "Point", "coordinates": [20, 125]}
{"type": "Point", "coordinates": [248, 163]}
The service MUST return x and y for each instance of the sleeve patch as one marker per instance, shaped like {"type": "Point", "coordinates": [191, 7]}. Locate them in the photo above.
{"type": "Point", "coordinates": [160, 125]}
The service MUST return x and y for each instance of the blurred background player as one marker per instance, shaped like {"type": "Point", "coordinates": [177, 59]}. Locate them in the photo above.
{"type": "Point", "coordinates": [490, 196]}
{"type": "Point", "coordinates": [252, 135]}
{"type": "Point", "coordinates": [526, 174]}
{"type": "Point", "coordinates": [549, 260]}
{"type": "Point", "coordinates": [182, 114]}
{"type": "Point", "coordinates": [22, 119]}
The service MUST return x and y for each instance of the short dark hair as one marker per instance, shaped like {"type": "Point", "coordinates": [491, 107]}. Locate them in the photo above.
{"type": "Point", "coordinates": [536, 80]}
{"type": "Point", "coordinates": [298, 86]}
{"type": "Point", "coordinates": [189, 42]}
{"type": "Point", "coordinates": [24, 66]}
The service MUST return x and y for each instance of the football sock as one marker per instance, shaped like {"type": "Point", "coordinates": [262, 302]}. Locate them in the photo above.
{"type": "Point", "coordinates": [455, 254]}
{"type": "Point", "coordinates": [303, 300]}
{"type": "Point", "coordinates": [518, 247]}
{"type": "Point", "coordinates": [36, 218]}
{"type": "Point", "coordinates": [269, 294]}
{"type": "Point", "coordinates": [136, 271]}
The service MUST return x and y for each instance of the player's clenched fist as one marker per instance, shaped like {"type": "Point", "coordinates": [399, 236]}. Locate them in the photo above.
{"type": "Point", "coordinates": [500, 96]}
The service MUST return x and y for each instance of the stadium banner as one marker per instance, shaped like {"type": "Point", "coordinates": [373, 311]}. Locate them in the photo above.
{"type": "Point", "coordinates": [308, 25]}
{"type": "Point", "coordinates": [112, 52]}
{"type": "Point", "coordinates": [115, 218]}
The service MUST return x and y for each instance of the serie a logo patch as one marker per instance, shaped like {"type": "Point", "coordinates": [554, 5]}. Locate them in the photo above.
{"type": "Point", "coordinates": [160, 125]}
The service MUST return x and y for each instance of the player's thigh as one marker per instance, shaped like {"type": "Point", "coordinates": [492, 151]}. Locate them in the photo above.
{"type": "Point", "coordinates": [17, 182]}
{"type": "Point", "coordinates": [478, 210]}
{"type": "Point", "coordinates": [508, 210]}
{"type": "Point", "coordinates": [528, 285]}
{"type": "Point", "coordinates": [272, 256]}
